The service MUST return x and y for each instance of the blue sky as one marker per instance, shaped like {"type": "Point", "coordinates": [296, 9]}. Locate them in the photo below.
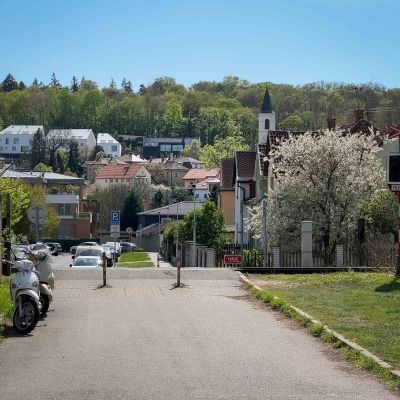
{"type": "Point", "coordinates": [282, 41]}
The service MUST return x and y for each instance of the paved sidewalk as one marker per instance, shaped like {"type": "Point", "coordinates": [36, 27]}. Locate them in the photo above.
{"type": "Point", "coordinates": [163, 263]}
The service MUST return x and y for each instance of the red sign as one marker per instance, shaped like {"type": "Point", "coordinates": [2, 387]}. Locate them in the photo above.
{"type": "Point", "coordinates": [129, 230]}
{"type": "Point", "coordinates": [232, 259]}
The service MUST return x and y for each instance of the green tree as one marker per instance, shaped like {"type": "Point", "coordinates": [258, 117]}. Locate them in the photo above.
{"type": "Point", "coordinates": [54, 82]}
{"type": "Point", "coordinates": [222, 148]}
{"type": "Point", "coordinates": [172, 120]}
{"type": "Point", "coordinates": [9, 84]}
{"type": "Point", "coordinates": [43, 168]}
{"type": "Point", "coordinates": [381, 213]}
{"type": "Point", "coordinates": [194, 150]}
{"type": "Point", "coordinates": [74, 164]}
{"type": "Point", "coordinates": [74, 84]}
{"type": "Point", "coordinates": [93, 153]}
{"type": "Point", "coordinates": [130, 208]}
{"type": "Point", "coordinates": [210, 225]}
{"type": "Point", "coordinates": [19, 195]}
{"type": "Point", "coordinates": [38, 148]}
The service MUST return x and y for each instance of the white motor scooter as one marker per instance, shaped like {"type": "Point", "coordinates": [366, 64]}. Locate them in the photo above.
{"type": "Point", "coordinates": [24, 289]}
{"type": "Point", "coordinates": [42, 261]}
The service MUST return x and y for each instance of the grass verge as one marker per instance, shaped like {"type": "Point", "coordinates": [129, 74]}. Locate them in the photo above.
{"type": "Point", "coordinates": [334, 284]}
{"type": "Point", "coordinates": [136, 264]}
{"type": "Point", "coordinates": [6, 306]}
{"type": "Point", "coordinates": [134, 256]}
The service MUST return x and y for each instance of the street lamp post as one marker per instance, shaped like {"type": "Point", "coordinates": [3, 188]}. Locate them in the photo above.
{"type": "Point", "coordinates": [194, 234]}
{"type": "Point", "coordinates": [159, 232]}
{"type": "Point", "coordinates": [177, 258]}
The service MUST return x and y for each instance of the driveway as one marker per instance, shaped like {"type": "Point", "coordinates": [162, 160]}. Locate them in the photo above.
{"type": "Point", "coordinates": [141, 339]}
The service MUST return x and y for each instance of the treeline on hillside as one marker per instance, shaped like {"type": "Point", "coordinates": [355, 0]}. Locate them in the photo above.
{"type": "Point", "coordinates": [205, 110]}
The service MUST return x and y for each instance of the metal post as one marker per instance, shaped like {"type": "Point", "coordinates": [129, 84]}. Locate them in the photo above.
{"type": "Point", "coordinates": [194, 234]}
{"type": "Point", "coordinates": [397, 273]}
{"type": "Point", "coordinates": [159, 232]}
{"type": "Point", "coordinates": [37, 223]}
{"type": "Point", "coordinates": [1, 237]}
{"type": "Point", "coordinates": [104, 258]}
{"type": "Point", "coordinates": [264, 216]}
{"type": "Point", "coordinates": [177, 258]}
{"type": "Point", "coordinates": [115, 252]}
{"type": "Point", "coordinates": [7, 244]}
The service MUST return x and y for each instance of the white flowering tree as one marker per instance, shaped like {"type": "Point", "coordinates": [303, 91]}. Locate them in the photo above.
{"type": "Point", "coordinates": [325, 178]}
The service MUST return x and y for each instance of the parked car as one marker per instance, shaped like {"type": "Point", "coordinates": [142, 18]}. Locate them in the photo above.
{"type": "Point", "coordinates": [94, 251]}
{"type": "Point", "coordinates": [113, 250]}
{"type": "Point", "coordinates": [72, 249]}
{"type": "Point", "coordinates": [54, 245]}
{"type": "Point", "coordinates": [127, 247]}
{"type": "Point", "coordinates": [87, 262]}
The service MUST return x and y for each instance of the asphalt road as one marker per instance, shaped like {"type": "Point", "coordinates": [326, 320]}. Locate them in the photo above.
{"type": "Point", "coordinates": [139, 339]}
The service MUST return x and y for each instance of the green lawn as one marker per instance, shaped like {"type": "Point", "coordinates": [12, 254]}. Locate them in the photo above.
{"type": "Point", "coordinates": [6, 306]}
{"type": "Point", "coordinates": [135, 260]}
{"type": "Point", "coordinates": [364, 307]}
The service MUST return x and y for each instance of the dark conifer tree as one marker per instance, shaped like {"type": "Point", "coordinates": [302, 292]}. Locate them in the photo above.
{"type": "Point", "coordinates": [9, 84]}
{"type": "Point", "coordinates": [73, 158]}
{"type": "Point", "coordinates": [54, 82]}
{"type": "Point", "coordinates": [35, 83]}
{"type": "Point", "coordinates": [38, 148]}
{"type": "Point", "coordinates": [74, 84]}
{"type": "Point", "coordinates": [131, 207]}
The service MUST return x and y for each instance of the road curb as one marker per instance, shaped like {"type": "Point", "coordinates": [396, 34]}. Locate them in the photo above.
{"type": "Point", "coordinates": [338, 336]}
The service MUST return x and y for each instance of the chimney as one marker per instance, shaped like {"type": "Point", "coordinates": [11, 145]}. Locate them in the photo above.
{"type": "Point", "coordinates": [357, 115]}
{"type": "Point", "coordinates": [331, 122]}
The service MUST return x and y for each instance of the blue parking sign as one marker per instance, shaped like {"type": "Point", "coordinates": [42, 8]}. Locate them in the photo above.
{"type": "Point", "coordinates": [115, 217]}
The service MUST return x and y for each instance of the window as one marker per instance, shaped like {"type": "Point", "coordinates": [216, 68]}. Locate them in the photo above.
{"type": "Point", "coordinates": [6, 140]}
{"type": "Point", "coordinates": [15, 140]}
{"type": "Point", "coordinates": [267, 124]}
{"type": "Point", "coordinates": [14, 148]}
{"type": "Point", "coordinates": [177, 147]}
{"type": "Point", "coordinates": [64, 209]}
{"type": "Point", "coordinates": [1, 148]}
{"type": "Point", "coordinates": [114, 149]}
{"type": "Point", "coordinates": [111, 180]}
{"type": "Point", "coordinates": [24, 149]}
{"type": "Point", "coordinates": [165, 147]}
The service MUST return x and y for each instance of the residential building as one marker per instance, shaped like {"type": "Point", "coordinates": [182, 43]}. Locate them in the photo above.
{"type": "Point", "coordinates": [91, 168]}
{"type": "Point", "coordinates": [15, 140]}
{"type": "Point", "coordinates": [175, 171]}
{"type": "Point", "coordinates": [226, 194]}
{"type": "Point", "coordinates": [110, 145]}
{"type": "Point", "coordinates": [65, 194]}
{"type": "Point", "coordinates": [131, 158]}
{"type": "Point", "coordinates": [245, 192]}
{"type": "Point", "coordinates": [84, 137]}
{"type": "Point", "coordinates": [205, 189]}
{"type": "Point", "coordinates": [190, 162]}
{"type": "Point", "coordinates": [165, 214]}
{"type": "Point", "coordinates": [194, 176]}
{"type": "Point", "coordinates": [167, 147]}
{"type": "Point", "coordinates": [122, 175]}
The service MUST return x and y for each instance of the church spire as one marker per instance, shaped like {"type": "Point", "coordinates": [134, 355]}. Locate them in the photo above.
{"type": "Point", "coordinates": [266, 104]}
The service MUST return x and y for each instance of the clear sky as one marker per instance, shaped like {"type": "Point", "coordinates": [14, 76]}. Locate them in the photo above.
{"type": "Point", "coordinates": [282, 41]}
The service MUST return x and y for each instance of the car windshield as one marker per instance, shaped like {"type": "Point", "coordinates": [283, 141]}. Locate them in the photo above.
{"type": "Point", "coordinates": [86, 262]}
{"type": "Point", "coordinates": [90, 252]}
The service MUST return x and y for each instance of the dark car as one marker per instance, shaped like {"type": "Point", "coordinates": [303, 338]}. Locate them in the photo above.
{"type": "Point", "coordinates": [54, 245]}
{"type": "Point", "coordinates": [127, 247]}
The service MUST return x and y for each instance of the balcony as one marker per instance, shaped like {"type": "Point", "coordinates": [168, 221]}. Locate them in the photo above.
{"type": "Point", "coordinates": [62, 198]}
{"type": "Point", "coordinates": [83, 216]}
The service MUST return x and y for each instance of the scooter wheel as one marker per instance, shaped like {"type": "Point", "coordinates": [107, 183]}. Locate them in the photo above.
{"type": "Point", "coordinates": [29, 319]}
{"type": "Point", "coordinates": [45, 302]}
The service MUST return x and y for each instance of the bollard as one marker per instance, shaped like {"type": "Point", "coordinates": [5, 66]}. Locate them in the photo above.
{"type": "Point", "coordinates": [178, 275]}
{"type": "Point", "coordinates": [158, 261]}
{"type": "Point", "coordinates": [104, 258]}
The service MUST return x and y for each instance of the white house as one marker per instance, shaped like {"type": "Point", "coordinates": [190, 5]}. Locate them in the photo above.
{"type": "Point", "coordinates": [15, 140]}
{"type": "Point", "coordinates": [84, 137]}
{"type": "Point", "coordinates": [110, 145]}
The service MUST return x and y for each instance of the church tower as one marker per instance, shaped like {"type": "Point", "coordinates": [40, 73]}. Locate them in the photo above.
{"type": "Point", "coordinates": [266, 119]}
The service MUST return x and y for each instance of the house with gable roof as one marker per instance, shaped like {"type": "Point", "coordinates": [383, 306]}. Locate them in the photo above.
{"type": "Point", "coordinates": [117, 174]}
{"type": "Point", "coordinates": [110, 145]}
{"type": "Point", "coordinates": [84, 137]}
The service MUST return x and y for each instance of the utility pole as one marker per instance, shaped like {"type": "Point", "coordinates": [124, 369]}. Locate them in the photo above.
{"type": "Point", "coordinates": [194, 234]}
{"type": "Point", "coordinates": [177, 258]}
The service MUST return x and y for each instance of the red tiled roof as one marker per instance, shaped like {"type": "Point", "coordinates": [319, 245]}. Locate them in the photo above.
{"type": "Point", "coordinates": [245, 164]}
{"type": "Point", "coordinates": [118, 171]}
{"type": "Point", "coordinates": [227, 175]}
{"type": "Point", "coordinates": [201, 173]}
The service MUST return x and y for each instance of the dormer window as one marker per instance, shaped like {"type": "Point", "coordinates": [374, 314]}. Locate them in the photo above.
{"type": "Point", "coordinates": [266, 124]}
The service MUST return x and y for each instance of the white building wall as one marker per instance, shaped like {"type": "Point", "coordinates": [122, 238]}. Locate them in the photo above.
{"type": "Point", "coordinates": [16, 139]}
{"type": "Point", "coordinates": [110, 146]}
{"type": "Point", "coordinates": [240, 195]}
{"type": "Point", "coordinates": [262, 132]}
